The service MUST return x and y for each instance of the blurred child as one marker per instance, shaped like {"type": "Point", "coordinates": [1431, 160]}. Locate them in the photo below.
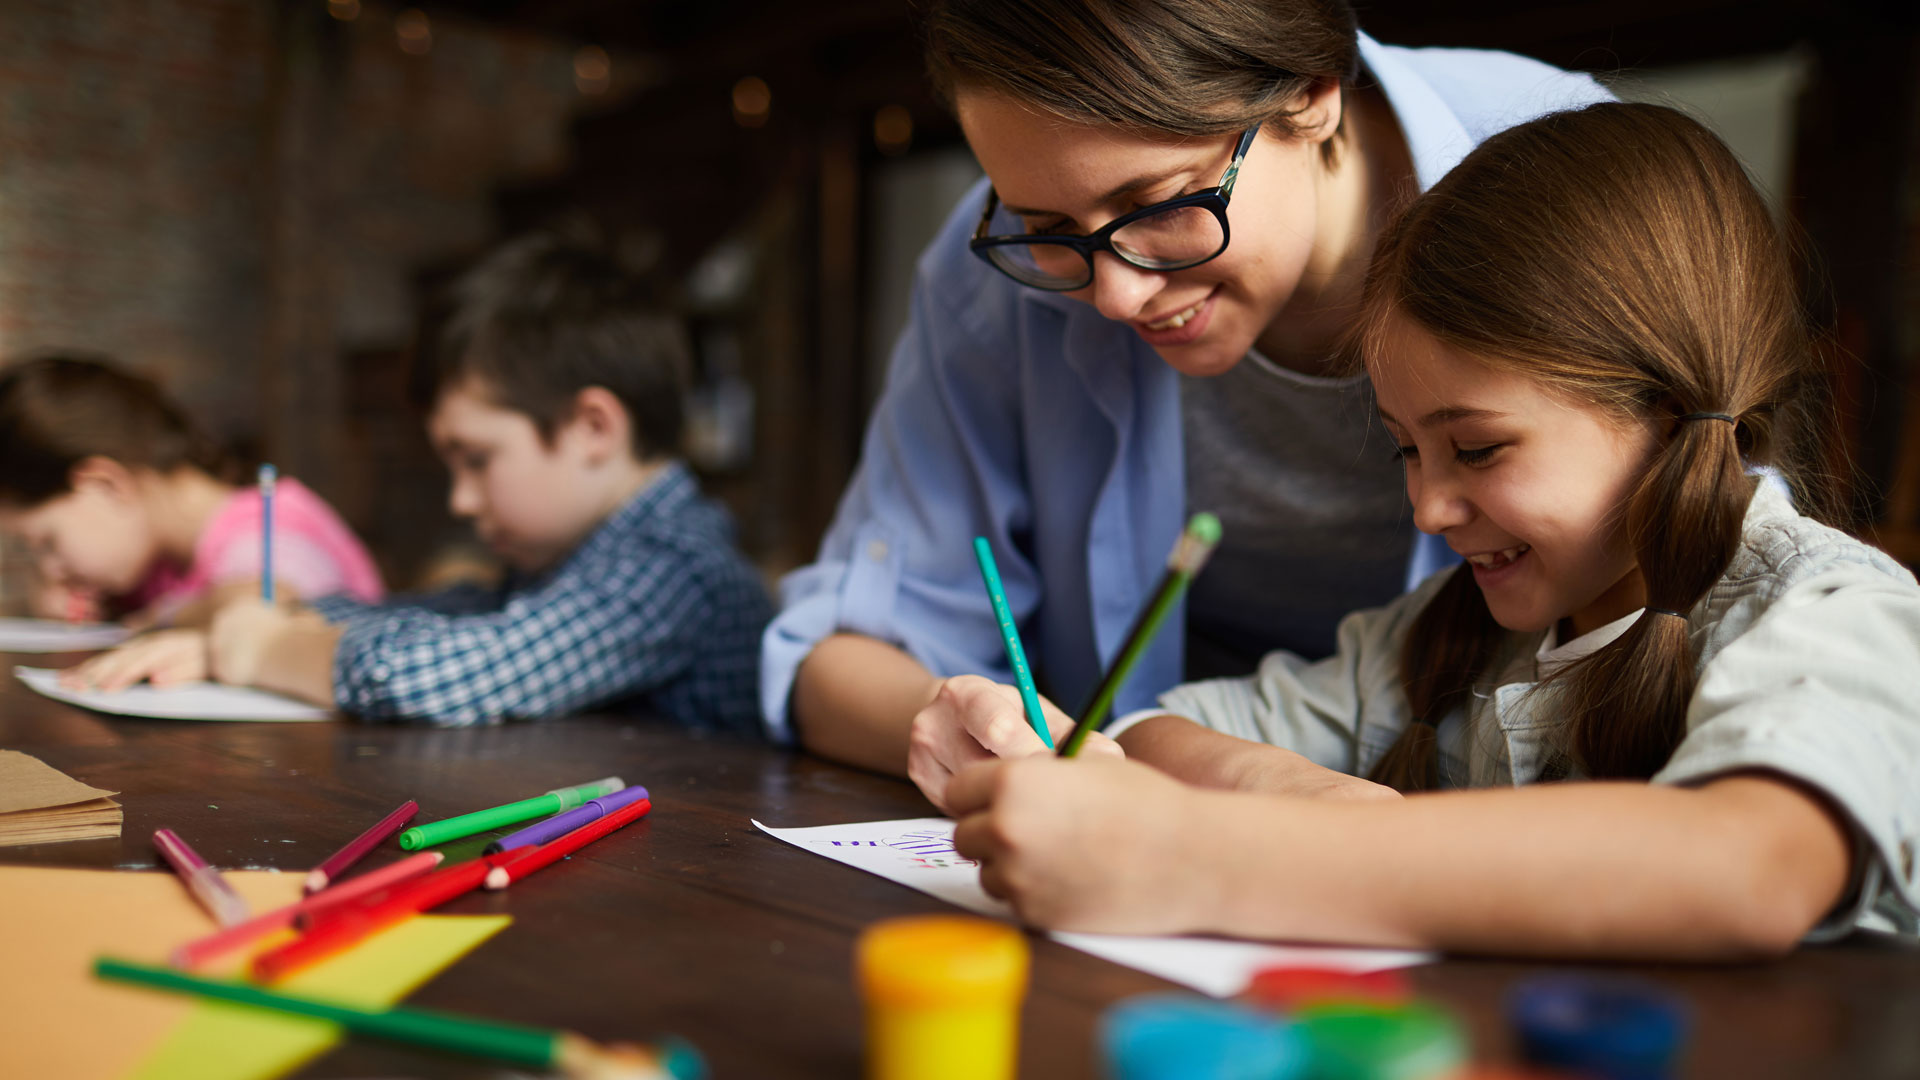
{"type": "Point", "coordinates": [121, 499]}
{"type": "Point", "coordinates": [1585, 340]}
{"type": "Point", "coordinates": [558, 415]}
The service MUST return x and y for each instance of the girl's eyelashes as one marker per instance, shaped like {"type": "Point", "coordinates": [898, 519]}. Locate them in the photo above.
{"type": "Point", "coordinates": [1471, 457]}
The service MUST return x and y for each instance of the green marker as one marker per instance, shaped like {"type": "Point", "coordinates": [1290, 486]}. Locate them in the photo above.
{"type": "Point", "coordinates": [573, 1055]}
{"type": "Point", "coordinates": [1189, 555]}
{"type": "Point", "coordinates": [439, 832]}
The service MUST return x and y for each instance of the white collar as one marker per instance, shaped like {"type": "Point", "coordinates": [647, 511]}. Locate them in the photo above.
{"type": "Point", "coordinates": [1552, 656]}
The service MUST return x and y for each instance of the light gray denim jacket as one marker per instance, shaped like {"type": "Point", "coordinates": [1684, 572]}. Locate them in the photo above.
{"type": "Point", "coordinates": [1809, 666]}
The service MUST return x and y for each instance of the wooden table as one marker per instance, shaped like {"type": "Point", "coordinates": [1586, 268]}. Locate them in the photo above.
{"type": "Point", "coordinates": [695, 923]}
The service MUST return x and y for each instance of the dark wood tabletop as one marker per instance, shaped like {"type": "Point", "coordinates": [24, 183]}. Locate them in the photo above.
{"type": "Point", "coordinates": [695, 923]}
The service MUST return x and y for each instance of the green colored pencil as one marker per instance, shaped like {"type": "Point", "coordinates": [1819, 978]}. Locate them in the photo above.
{"type": "Point", "coordinates": [439, 832]}
{"type": "Point", "coordinates": [1010, 636]}
{"type": "Point", "coordinates": [1189, 555]}
{"type": "Point", "coordinates": [542, 1048]}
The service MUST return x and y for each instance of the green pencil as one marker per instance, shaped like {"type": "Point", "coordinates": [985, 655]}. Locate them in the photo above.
{"type": "Point", "coordinates": [439, 832]}
{"type": "Point", "coordinates": [574, 1055]}
{"type": "Point", "coordinates": [1189, 555]}
{"type": "Point", "coordinates": [1010, 636]}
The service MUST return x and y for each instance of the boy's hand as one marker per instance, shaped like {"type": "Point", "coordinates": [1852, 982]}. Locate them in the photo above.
{"type": "Point", "coordinates": [288, 649]}
{"type": "Point", "coordinates": [973, 719]}
{"type": "Point", "coordinates": [1099, 844]}
{"type": "Point", "coordinates": [163, 658]}
{"type": "Point", "coordinates": [241, 635]}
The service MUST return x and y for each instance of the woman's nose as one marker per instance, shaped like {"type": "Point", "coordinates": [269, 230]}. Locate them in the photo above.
{"type": "Point", "coordinates": [1121, 291]}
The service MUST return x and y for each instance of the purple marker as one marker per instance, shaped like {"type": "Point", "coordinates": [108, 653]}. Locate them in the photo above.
{"type": "Point", "coordinates": [563, 823]}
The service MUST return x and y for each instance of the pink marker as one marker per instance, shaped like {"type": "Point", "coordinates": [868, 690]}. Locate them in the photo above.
{"type": "Point", "coordinates": [195, 953]}
{"type": "Point", "coordinates": [338, 862]}
{"type": "Point", "coordinates": [203, 881]}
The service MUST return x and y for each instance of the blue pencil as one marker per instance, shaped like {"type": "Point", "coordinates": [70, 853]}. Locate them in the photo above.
{"type": "Point", "coordinates": [267, 478]}
{"type": "Point", "coordinates": [1010, 634]}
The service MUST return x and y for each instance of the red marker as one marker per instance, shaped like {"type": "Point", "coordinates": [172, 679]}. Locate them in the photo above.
{"type": "Point", "coordinates": [520, 862]}
{"type": "Point", "coordinates": [338, 862]}
{"type": "Point", "coordinates": [349, 924]}
{"type": "Point", "coordinates": [195, 953]}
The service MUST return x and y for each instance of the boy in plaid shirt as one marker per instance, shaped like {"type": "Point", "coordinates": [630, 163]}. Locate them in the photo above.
{"type": "Point", "coordinates": [558, 411]}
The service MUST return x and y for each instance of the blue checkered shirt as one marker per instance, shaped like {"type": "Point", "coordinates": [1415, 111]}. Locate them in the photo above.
{"type": "Point", "coordinates": [655, 610]}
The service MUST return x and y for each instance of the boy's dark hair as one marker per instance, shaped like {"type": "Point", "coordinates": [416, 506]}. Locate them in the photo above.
{"type": "Point", "coordinates": [548, 315]}
{"type": "Point", "coordinates": [57, 410]}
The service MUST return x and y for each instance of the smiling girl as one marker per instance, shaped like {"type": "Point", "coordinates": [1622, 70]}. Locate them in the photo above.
{"type": "Point", "coordinates": [1135, 315]}
{"type": "Point", "coordinates": [1585, 340]}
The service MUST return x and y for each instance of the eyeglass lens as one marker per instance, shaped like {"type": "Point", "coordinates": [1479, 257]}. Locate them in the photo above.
{"type": "Point", "coordinates": [1167, 240]}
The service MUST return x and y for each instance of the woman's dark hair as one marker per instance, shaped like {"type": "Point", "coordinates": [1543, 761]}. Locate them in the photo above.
{"type": "Point", "coordinates": [1619, 255]}
{"type": "Point", "coordinates": [551, 313]}
{"type": "Point", "coordinates": [1178, 67]}
{"type": "Point", "coordinates": [57, 410]}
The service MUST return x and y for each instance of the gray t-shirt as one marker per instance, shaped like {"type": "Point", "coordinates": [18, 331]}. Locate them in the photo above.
{"type": "Point", "coordinates": [1313, 509]}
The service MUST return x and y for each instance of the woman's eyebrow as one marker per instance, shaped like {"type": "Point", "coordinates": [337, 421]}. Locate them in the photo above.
{"type": "Point", "coordinates": [1126, 188]}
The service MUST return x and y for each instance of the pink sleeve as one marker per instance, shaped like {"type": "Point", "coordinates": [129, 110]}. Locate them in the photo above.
{"type": "Point", "coordinates": [313, 550]}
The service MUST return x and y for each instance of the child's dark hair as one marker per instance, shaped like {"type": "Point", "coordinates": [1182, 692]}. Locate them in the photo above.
{"type": "Point", "coordinates": [1618, 255]}
{"type": "Point", "coordinates": [550, 314]}
{"type": "Point", "coordinates": [57, 410]}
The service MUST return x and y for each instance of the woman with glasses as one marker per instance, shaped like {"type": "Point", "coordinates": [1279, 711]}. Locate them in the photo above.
{"type": "Point", "coordinates": [1131, 318]}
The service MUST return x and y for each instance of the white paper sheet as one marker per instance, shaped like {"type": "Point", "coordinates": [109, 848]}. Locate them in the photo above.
{"type": "Point", "coordinates": [918, 853]}
{"type": "Point", "coordinates": [52, 635]}
{"type": "Point", "coordinates": [193, 701]}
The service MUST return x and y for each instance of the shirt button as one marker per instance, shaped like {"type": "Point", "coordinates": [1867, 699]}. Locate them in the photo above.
{"type": "Point", "coordinates": [877, 550]}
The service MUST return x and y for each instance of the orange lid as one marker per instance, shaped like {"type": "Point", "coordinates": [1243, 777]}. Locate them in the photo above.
{"type": "Point", "coordinates": [941, 960]}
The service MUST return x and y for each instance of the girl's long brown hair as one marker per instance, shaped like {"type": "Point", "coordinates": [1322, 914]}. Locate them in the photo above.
{"type": "Point", "coordinates": [1619, 255]}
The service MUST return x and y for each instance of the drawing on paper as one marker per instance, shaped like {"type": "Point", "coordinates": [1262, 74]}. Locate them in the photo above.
{"type": "Point", "coordinates": [927, 849]}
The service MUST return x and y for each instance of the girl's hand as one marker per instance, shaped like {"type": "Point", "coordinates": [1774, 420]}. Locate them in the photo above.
{"type": "Point", "coordinates": [973, 719]}
{"type": "Point", "coordinates": [163, 658]}
{"type": "Point", "coordinates": [1100, 844]}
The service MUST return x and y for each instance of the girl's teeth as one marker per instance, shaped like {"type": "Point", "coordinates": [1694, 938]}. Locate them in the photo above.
{"type": "Point", "coordinates": [1495, 559]}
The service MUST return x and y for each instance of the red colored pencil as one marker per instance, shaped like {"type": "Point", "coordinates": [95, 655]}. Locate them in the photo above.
{"type": "Point", "coordinates": [520, 862]}
{"type": "Point", "coordinates": [350, 923]}
{"type": "Point", "coordinates": [321, 875]}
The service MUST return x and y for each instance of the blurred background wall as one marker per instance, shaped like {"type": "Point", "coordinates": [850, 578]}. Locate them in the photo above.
{"type": "Point", "coordinates": [259, 200]}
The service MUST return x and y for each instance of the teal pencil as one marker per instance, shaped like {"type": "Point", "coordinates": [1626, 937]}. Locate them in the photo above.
{"type": "Point", "coordinates": [1189, 555]}
{"type": "Point", "coordinates": [1010, 635]}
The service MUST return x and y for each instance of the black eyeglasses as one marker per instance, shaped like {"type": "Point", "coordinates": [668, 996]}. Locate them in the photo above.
{"type": "Point", "coordinates": [1171, 235]}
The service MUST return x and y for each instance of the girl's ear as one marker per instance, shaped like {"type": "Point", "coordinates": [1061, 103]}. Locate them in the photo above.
{"type": "Point", "coordinates": [104, 476]}
{"type": "Point", "coordinates": [601, 423]}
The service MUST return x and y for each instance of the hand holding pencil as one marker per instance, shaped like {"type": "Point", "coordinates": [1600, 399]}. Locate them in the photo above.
{"type": "Point", "coordinates": [975, 719]}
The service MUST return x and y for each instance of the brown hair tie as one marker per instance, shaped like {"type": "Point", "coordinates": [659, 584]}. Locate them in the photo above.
{"type": "Point", "coordinates": [1666, 611]}
{"type": "Point", "coordinates": [1710, 416]}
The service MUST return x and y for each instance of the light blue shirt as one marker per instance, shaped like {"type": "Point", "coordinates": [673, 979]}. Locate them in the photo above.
{"type": "Point", "coordinates": [1028, 418]}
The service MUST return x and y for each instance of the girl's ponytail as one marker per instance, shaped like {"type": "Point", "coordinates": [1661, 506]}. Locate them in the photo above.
{"type": "Point", "coordinates": [1448, 646]}
{"type": "Point", "coordinates": [1626, 703]}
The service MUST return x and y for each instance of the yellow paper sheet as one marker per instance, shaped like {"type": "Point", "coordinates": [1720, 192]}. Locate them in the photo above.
{"type": "Point", "coordinates": [56, 1019]}
{"type": "Point", "coordinates": [234, 1042]}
